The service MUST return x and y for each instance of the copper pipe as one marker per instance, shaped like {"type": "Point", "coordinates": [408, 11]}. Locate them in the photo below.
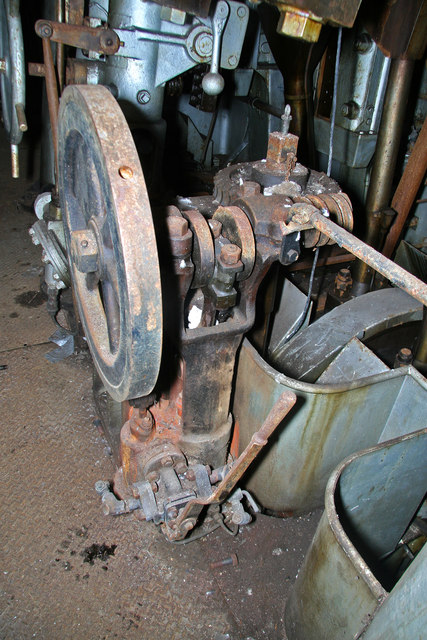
{"type": "Point", "coordinates": [52, 97]}
{"type": "Point", "coordinates": [407, 189]}
{"type": "Point", "coordinates": [384, 165]}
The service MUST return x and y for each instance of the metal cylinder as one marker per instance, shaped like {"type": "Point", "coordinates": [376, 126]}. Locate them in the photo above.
{"type": "Point", "coordinates": [384, 165]}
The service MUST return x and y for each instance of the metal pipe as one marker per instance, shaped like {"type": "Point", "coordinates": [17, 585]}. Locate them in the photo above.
{"type": "Point", "coordinates": [20, 114]}
{"type": "Point", "coordinates": [407, 189]}
{"type": "Point", "coordinates": [52, 97]}
{"type": "Point", "coordinates": [389, 269]}
{"type": "Point", "coordinates": [14, 154]}
{"type": "Point", "coordinates": [384, 165]}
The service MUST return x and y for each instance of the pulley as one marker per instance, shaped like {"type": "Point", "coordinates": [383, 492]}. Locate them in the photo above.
{"type": "Point", "coordinates": [110, 239]}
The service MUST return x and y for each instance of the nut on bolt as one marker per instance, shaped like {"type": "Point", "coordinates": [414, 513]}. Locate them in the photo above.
{"type": "Point", "coordinates": [230, 254]}
{"type": "Point", "coordinates": [177, 226]}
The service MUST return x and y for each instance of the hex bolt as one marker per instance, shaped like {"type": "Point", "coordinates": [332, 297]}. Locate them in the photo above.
{"type": "Point", "coordinates": [250, 188]}
{"type": "Point", "coordinates": [232, 61]}
{"type": "Point", "coordinates": [343, 281]}
{"type": "Point", "coordinates": [143, 96]}
{"type": "Point", "coordinates": [404, 357]}
{"type": "Point", "coordinates": [125, 172]}
{"type": "Point", "coordinates": [177, 226]}
{"type": "Point", "coordinates": [292, 255]}
{"type": "Point", "coordinates": [216, 227]}
{"type": "Point", "coordinates": [233, 560]}
{"type": "Point", "coordinates": [241, 12]}
{"type": "Point", "coordinates": [230, 254]}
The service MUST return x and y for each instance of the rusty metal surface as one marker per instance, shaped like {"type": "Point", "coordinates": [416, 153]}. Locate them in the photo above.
{"type": "Point", "coordinates": [398, 27]}
{"type": "Point", "coordinates": [389, 269]}
{"type": "Point", "coordinates": [407, 189]}
{"type": "Point", "coordinates": [52, 96]}
{"type": "Point", "coordinates": [99, 39]}
{"type": "Point", "coordinates": [51, 455]}
{"type": "Point", "coordinates": [74, 11]}
{"type": "Point", "coordinates": [278, 412]}
{"type": "Point", "coordinates": [103, 195]}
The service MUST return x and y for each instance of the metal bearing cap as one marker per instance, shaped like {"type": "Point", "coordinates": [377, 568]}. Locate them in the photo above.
{"type": "Point", "coordinates": [111, 242]}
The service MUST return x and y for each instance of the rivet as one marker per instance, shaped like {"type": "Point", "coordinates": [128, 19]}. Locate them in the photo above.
{"type": "Point", "coordinates": [126, 173]}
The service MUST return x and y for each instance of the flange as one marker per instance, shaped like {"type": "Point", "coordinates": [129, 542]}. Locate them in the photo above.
{"type": "Point", "coordinates": [111, 242]}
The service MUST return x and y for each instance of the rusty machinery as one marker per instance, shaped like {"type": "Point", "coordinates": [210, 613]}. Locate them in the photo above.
{"type": "Point", "coordinates": [215, 251]}
{"type": "Point", "coordinates": [165, 300]}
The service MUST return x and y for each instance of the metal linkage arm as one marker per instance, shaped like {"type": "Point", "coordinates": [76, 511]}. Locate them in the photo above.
{"type": "Point", "coordinates": [389, 269]}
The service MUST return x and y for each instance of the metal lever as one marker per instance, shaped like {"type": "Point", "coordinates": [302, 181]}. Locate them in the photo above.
{"type": "Point", "coordinates": [280, 409]}
{"type": "Point", "coordinates": [213, 82]}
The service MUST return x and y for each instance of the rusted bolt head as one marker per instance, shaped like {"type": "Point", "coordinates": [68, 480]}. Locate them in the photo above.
{"type": "Point", "coordinates": [405, 355]}
{"type": "Point", "coordinates": [190, 475]}
{"type": "Point", "coordinates": [152, 476]}
{"type": "Point", "coordinates": [167, 461]}
{"type": "Point", "coordinates": [84, 250]}
{"type": "Point", "coordinates": [216, 227]}
{"type": "Point", "coordinates": [250, 188]}
{"type": "Point", "coordinates": [126, 172]}
{"type": "Point", "coordinates": [344, 275]}
{"type": "Point", "coordinates": [172, 512]}
{"type": "Point", "coordinates": [177, 226]}
{"type": "Point", "coordinates": [230, 254]}
{"type": "Point", "coordinates": [187, 525]}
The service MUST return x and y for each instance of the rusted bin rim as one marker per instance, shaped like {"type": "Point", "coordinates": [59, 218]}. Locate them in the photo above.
{"type": "Point", "coordinates": [334, 522]}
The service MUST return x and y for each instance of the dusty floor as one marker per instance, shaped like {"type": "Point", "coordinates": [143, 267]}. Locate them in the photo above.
{"type": "Point", "coordinates": [66, 570]}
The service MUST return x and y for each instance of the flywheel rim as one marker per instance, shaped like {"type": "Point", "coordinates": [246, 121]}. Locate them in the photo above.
{"type": "Point", "coordinates": [103, 197]}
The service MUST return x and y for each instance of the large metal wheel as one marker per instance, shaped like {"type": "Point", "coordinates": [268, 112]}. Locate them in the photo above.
{"type": "Point", "coordinates": [110, 239]}
{"type": "Point", "coordinates": [12, 76]}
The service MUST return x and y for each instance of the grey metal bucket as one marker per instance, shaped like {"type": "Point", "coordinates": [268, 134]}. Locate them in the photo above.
{"type": "Point", "coordinates": [328, 423]}
{"type": "Point", "coordinates": [370, 501]}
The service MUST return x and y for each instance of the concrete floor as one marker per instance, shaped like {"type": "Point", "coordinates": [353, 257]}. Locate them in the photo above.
{"type": "Point", "coordinates": [66, 570]}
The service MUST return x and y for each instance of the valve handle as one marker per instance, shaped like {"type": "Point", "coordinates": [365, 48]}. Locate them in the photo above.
{"type": "Point", "coordinates": [213, 82]}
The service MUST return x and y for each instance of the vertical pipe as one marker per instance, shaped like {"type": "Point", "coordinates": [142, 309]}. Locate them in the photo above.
{"type": "Point", "coordinates": [384, 165]}
{"type": "Point", "coordinates": [52, 97]}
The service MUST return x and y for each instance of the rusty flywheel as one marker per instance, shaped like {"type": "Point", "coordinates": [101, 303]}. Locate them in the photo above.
{"type": "Point", "coordinates": [111, 242]}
